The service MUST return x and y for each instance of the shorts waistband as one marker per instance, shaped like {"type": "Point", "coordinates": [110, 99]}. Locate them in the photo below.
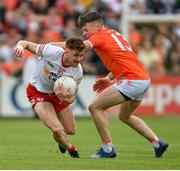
{"type": "Point", "coordinates": [34, 88]}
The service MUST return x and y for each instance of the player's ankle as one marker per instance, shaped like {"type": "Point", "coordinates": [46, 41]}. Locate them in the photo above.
{"type": "Point", "coordinates": [155, 142]}
{"type": "Point", "coordinates": [107, 146]}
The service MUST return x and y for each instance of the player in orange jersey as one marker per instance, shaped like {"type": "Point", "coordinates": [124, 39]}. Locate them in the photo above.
{"type": "Point", "coordinates": [132, 83]}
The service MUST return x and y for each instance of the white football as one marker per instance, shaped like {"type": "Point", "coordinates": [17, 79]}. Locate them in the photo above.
{"type": "Point", "coordinates": [69, 84]}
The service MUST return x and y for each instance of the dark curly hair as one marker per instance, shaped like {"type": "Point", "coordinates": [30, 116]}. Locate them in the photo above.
{"type": "Point", "coordinates": [75, 44]}
{"type": "Point", "coordinates": [89, 17]}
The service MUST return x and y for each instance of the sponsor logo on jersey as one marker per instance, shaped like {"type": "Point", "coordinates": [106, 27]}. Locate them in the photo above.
{"type": "Point", "coordinates": [45, 70]}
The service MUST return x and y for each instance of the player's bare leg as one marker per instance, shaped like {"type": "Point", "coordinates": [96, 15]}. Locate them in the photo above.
{"type": "Point", "coordinates": [139, 125]}
{"type": "Point", "coordinates": [109, 97]}
{"type": "Point", "coordinates": [67, 120]}
{"type": "Point", "coordinates": [48, 116]}
{"type": "Point", "coordinates": [102, 101]}
{"type": "Point", "coordinates": [135, 122]}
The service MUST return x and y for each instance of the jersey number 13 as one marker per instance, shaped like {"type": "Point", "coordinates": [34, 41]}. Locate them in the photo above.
{"type": "Point", "coordinates": [119, 43]}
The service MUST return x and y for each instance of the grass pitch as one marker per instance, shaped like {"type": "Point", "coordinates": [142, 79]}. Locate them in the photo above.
{"type": "Point", "coordinates": [28, 144]}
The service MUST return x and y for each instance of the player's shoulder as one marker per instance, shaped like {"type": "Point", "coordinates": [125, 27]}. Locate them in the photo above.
{"type": "Point", "coordinates": [48, 50]}
{"type": "Point", "coordinates": [58, 48]}
{"type": "Point", "coordinates": [106, 30]}
{"type": "Point", "coordinates": [103, 33]}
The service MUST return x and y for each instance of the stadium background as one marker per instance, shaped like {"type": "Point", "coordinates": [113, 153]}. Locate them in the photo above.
{"type": "Point", "coordinates": [151, 26]}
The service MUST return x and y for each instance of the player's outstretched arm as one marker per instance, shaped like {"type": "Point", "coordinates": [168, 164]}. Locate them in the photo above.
{"type": "Point", "coordinates": [103, 83]}
{"type": "Point", "coordinates": [21, 46]}
{"type": "Point", "coordinates": [110, 77]}
{"type": "Point", "coordinates": [63, 44]}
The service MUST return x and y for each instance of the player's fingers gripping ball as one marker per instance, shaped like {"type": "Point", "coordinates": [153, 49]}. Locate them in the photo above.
{"type": "Point", "coordinates": [65, 87]}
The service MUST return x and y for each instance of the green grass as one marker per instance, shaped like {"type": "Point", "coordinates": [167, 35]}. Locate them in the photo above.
{"type": "Point", "coordinates": [27, 144]}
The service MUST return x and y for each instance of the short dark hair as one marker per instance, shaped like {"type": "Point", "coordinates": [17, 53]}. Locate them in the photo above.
{"type": "Point", "coordinates": [75, 44]}
{"type": "Point", "coordinates": [89, 17]}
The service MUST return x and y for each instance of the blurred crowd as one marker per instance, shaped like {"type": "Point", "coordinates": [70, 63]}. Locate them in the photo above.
{"type": "Point", "coordinates": [43, 21]}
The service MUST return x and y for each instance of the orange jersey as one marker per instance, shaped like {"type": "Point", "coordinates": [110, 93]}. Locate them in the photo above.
{"type": "Point", "coordinates": [117, 55]}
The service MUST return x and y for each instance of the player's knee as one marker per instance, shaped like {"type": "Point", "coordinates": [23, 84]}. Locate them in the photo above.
{"type": "Point", "coordinates": [124, 118]}
{"type": "Point", "coordinates": [92, 107]}
{"type": "Point", "coordinates": [70, 130]}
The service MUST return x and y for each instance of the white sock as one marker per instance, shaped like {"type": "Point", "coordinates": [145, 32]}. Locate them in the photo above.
{"type": "Point", "coordinates": [155, 142]}
{"type": "Point", "coordinates": [107, 147]}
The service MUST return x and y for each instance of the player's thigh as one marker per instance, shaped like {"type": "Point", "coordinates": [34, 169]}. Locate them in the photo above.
{"type": "Point", "coordinates": [66, 118]}
{"type": "Point", "coordinates": [47, 114]}
{"type": "Point", "coordinates": [107, 98]}
{"type": "Point", "coordinates": [127, 108]}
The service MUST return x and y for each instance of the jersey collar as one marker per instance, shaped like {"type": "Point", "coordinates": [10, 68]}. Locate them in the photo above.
{"type": "Point", "coordinates": [62, 61]}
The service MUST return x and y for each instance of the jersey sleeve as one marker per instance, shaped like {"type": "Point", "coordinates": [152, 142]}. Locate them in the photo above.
{"type": "Point", "coordinates": [96, 41]}
{"type": "Point", "coordinates": [48, 51]}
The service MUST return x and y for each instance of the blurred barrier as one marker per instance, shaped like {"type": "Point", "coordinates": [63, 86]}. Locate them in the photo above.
{"type": "Point", "coordinates": [163, 97]}
{"type": "Point", "coordinates": [13, 98]}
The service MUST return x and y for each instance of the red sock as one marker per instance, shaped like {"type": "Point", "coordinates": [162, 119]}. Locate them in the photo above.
{"type": "Point", "coordinates": [72, 148]}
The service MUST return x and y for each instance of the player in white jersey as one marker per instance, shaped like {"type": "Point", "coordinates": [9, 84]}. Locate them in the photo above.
{"type": "Point", "coordinates": [53, 107]}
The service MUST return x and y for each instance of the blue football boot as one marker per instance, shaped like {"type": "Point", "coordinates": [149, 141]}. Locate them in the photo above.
{"type": "Point", "coordinates": [161, 149]}
{"type": "Point", "coordinates": [102, 154]}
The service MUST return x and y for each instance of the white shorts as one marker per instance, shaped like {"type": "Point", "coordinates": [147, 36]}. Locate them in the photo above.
{"type": "Point", "coordinates": [134, 89]}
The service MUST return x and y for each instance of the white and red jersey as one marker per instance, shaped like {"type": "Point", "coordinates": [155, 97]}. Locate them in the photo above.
{"type": "Point", "coordinates": [50, 67]}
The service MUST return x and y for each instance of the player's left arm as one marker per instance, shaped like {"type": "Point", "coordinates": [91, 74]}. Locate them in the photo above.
{"type": "Point", "coordinates": [22, 45]}
{"type": "Point", "coordinates": [110, 77]}
{"type": "Point", "coordinates": [103, 83]}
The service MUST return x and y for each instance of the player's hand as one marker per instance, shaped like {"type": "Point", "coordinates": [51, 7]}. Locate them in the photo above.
{"type": "Point", "coordinates": [18, 52]}
{"type": "Point", "coordinates": [69, 99]}
{"type": "Point", "coordinates": [63, 95]}
{"type": "Point", "coordinates": [101, 84]}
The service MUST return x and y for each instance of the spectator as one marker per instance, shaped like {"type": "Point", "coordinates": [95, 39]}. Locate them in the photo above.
{"type": "Point", "coordinates": [2, 11]}
{"type": "Point", "coordinates": [135, 37]}
{"type": "Point", "coordinates": [151, 59]}
{"type": "Point", "coordinates": [35, 20]}
{"type": "Point", "coordinates": [137, 6]}
{"type": "Point", "coordinates": [169, 4]}
{"type": "Point", "coordinates": [176, 7]}
{"type": "Point", "coordinates": [155, 6]}
{"type": "Point", "coordinates": [176, 29]}
{"type": "Point", "coordinates": [173, 60]}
